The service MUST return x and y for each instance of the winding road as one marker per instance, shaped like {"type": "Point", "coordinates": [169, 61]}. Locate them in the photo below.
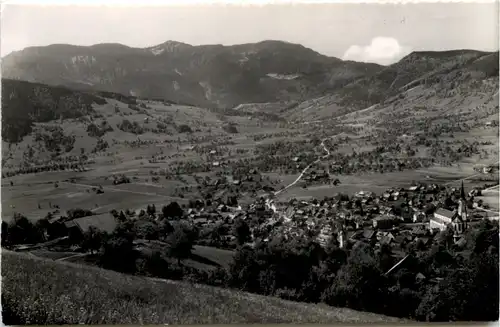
{"type": "Point", "coordinates": [307, 168]}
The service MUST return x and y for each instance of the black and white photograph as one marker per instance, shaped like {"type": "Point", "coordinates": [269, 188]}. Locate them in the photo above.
{"type": "Point", "coordinates": [260, 163]}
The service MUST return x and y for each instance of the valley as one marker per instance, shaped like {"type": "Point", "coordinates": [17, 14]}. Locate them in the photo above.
{"type": "Point", "coordinates": [221, 183]}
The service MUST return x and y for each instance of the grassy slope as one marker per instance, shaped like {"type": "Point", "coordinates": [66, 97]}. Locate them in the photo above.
{"type": "Point", "coordinates": [41, 291]}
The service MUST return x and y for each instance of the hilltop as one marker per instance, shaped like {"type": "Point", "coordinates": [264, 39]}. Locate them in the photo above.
{"type": "Point", "coordinates": [207, 75]}
{"type": "Point", "coordinates": [39, 291]}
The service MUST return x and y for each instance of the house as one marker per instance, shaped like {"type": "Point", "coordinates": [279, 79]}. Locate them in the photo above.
{"type": "Point", "coordinates": [420, 277]}
{"type": "Point", "coordinates": [384, 222]}
{"type": "Point", "coordinates": [200, 221]}
{"type": "Point", "coordinates": [441, 219]}
{"type": "Point", "coordinates": [423, 240]}
{"type": "Point", "coordinates": [369, 234]}
{"type": "Point", "coordinates": [418, 216]}
{"type": "Point", "coordinates": [461, 242]}
{"type": "Point", "coordinates": [386, 239]}
{"type": "Point", "coordinates": [104, 223]}
{"type": "Point", "coordinates": [487, 170]}
{"type": "Point", "coordinates": [457, 219]}
{"type": "Point", "coordinates": [363, 194]}
{"type": "Point", "coordinates": [402, 240]}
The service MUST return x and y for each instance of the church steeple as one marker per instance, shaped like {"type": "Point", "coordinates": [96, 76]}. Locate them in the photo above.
{"type": "Point", "coordinates": [462, 204]}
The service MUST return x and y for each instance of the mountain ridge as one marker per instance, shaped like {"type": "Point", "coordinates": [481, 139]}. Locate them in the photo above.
{"type": "Point", "coordinates": [205, 75]}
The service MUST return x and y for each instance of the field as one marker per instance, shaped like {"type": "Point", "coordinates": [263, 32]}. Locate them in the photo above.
{"type": "Point", "coordinates": [38, 291]}
{"type": "Point", "coordinates": [491, 198]}
{"type": "Point", "coordinates": [219, 257]}
{"type": "Point", "coordinates": [27, 197]}
{"type": "Point", "coordinates": [378, 183]}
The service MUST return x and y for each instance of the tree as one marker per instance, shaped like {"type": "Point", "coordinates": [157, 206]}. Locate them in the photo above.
{"type": "Point", "coordinates": [468, 294]}
{"type": "Point", "coordinates": [181, 244]}
{"type": "Point", "coordinates": [118, 251]}
{"type": "Point", "coordinates": [157, 266]}
{"type": "Point", "coordinates": [42, 226]}
{"type": "Point", "coordinates": [149, 231]}
{"type": "Point", "coordinates": [165, 228]}
{"type": "Point", "coordinates": [386, 261]}
{"type": "Point", "coordinates": [232, 201]}
{"type": "Point", "coordinates": [22, 231]}
{"type": "Point", "coordinates": [244, 271]}
{"type": "Point", "coordinates": [122, 217]}
{"type": "Point", "coordinates": [359, 284]}
{"type": "Point", "coordinates": [151, 211]}
{"type": "Point", "coordinates": [184, 129]}
{"type": "Point", "coordinates": [172, 210]}
{"type": "Point", "coordinates": [92, 239]}
{"type": "Point", "coordinates": [5, 233]}
{"type": "Point", "coordinates": [242, 232]}
{"type": "Point", "coordinates": [445, 238]}
{"type": "Point", "coordinates": [79, 213]}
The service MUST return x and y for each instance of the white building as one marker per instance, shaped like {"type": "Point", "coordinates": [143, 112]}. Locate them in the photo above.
{"type": "Point", "coordinates": [457, 219]}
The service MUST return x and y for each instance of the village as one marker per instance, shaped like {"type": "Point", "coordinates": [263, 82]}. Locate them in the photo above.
{"type": "Point", "coordinates": [404, 218]}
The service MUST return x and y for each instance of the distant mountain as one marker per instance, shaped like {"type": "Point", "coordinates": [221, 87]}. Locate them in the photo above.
{"type": "Point", "coordinates": [438, 77]}
{"type": "Point", "coordinates": [207, 75]}
{"type": "Point", "coordinates": [414, 69]}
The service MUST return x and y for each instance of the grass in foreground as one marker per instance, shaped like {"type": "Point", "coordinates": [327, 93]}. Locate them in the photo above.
{"type": "Point", "coordinates": [40, 291]}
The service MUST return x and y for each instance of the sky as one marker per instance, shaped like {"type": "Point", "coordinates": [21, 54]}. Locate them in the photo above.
{"type": "Point", "coordinates": [362, 32]}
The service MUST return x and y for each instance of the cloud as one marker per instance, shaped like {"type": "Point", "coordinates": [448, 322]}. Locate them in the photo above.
{"type": "Point", "coordinates": [382, 50]}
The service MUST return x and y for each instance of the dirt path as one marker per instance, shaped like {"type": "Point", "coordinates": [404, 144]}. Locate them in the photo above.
{"type": "Point", "coordinates": [487, 210]}
{"type": "Point", "coordinates": [307, 168]}
{"type": "Point", "coordinates": [73, 256]}
{"type": "Point", "coordinates": [471, 176]}
{"type": "Point", "coordinates": [492, 189]}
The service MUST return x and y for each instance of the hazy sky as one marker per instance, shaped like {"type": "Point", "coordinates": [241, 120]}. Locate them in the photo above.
{"type": "Point", "coordinates": [362, 32]}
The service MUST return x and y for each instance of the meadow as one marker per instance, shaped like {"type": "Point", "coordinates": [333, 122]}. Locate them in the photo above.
{"type": "Point", "coordinates": [40, 291]}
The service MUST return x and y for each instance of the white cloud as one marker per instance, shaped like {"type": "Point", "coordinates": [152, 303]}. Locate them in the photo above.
{"type": "Point", "coordinates": [382, 50]}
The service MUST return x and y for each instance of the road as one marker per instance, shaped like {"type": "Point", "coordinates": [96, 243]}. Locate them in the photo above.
{"type": "Point", "coordinates": [487, 210]}
{"type": "Point", "coordinates": [73, 256]}
{"type": "Point", "coordinates": [471, 176]}
{"type": "Point", "coordinates": [307, 168]}
{"type": "Point", "coordinates": [492, 189]}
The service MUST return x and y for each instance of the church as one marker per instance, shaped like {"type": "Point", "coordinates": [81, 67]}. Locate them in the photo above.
{"type": "Point", "coordinates": [457, 219]}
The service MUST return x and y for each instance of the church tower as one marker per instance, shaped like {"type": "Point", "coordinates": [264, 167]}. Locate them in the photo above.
{"type": "Point", "coordinates": [341, 235]}
{"type": "Point", "coordinates": [460, 222]}
{"type": "Point", "coordinates": [462, 204]}
{"type": "Point", "coordinates": [341, 238]}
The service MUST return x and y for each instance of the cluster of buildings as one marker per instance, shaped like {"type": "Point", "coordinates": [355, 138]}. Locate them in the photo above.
{"type": "Point", "coordinates": [397, 217]}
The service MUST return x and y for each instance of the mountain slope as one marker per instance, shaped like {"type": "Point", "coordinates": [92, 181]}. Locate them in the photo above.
{"type": "Point", "coordinates": [72, 294]}
{"type": "Point", "coordinates": [437, 76]}
{"type": "Point", "coordinates": [417, 66]}
{"type": "Point", "coordinates": [208, 75]}
{"type": "Point", "coordinates": [24, 103]}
